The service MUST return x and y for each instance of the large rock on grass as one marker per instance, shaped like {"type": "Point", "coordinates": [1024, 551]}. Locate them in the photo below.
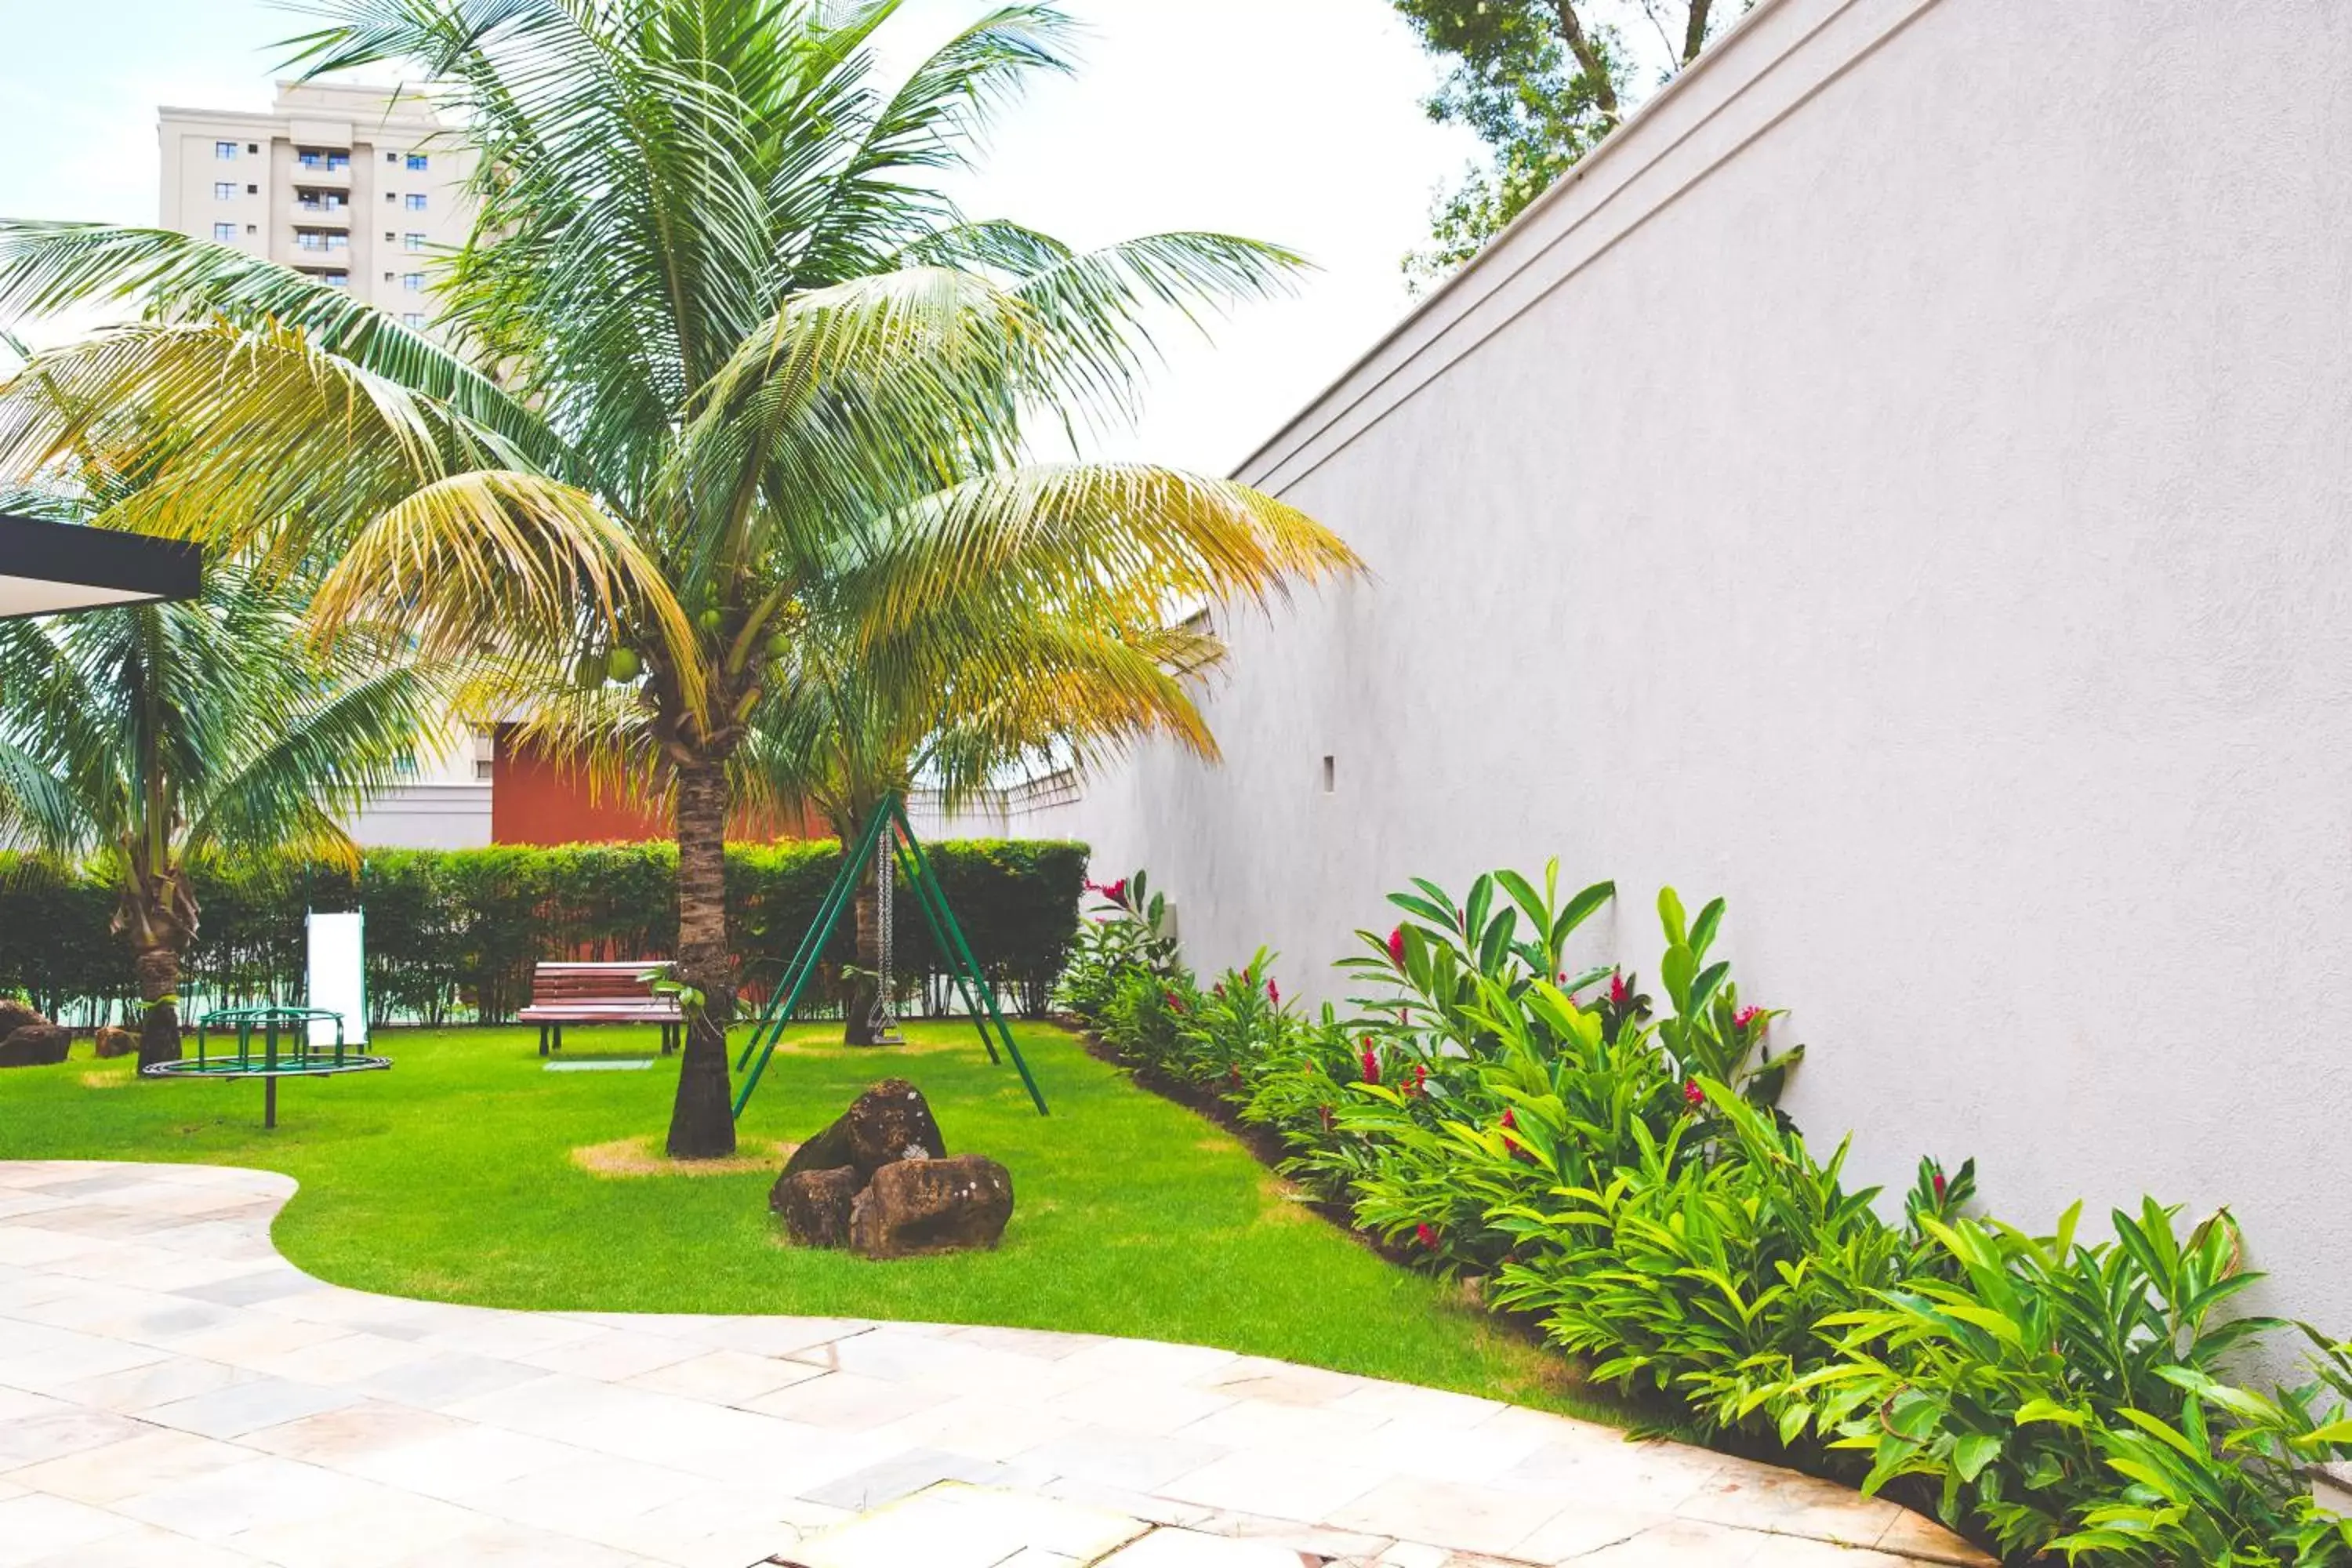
{"type": "Point", "coordinates": [15, 1014]}
{"type": "Point", "coordinates": [35, 1045]}
{"type": "Point", "coordinates": [815, 1206]}
{"type": "Point", "coordinates": [931, 1205]}
{"type": "Point", "coordinates": [886, 1124]}
{"type": "Point", "coordinates": [113, 1042]}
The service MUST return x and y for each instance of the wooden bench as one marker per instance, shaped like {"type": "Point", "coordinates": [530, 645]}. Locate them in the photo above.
{"type": "Point", "coordinates": [565, 994]}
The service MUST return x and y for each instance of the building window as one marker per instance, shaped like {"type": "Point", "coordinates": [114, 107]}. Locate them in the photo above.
{"type": "Point", "coordinates": [410, 241]}
{"type": "Point", "coordinates": [411, 319]}
{"type": "Point", "coordinates": [224, 191]}
{"type": "Point", "coordinates": [253, 228]}
{"type": "Point", "coordinates": [418, 162]}
{"type": "Point", "coordinates": [412, 281]}
{"type": "Point", "coordinates": [254, 148]}
{"type": "Point", "coordinates": [389, 237]}
{"type": "Point", "coordinates": [224, 149]}
{"type": "Point", "coordinates": [253, 190]}
{"type": "Point", "coordinates": [224, 231]}
{"type": "Point", "coordinates": [392, 157]}
{"type": "Point", "coordinates": [415, 201]}
{"type": "Point", "coordinates": [338, 280]}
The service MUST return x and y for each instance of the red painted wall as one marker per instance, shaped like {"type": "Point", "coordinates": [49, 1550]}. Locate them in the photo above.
{"type": "Point", "coordinates": [534, 801]}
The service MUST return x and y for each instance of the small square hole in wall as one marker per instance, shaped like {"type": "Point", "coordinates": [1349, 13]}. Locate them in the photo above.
{"type": "Point", "coordinates": [1330, 776]}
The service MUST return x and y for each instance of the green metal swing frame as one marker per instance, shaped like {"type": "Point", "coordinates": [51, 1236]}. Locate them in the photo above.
{"type": "Point", "coordinates": [947, 936]}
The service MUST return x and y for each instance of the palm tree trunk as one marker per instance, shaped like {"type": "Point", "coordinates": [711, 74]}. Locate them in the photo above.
{"type": "Point", "coordinates": [858, 1018]}
{"type": "Point", "coordinates": [702, 1123]}
{"type": "Point", "coordinates": [158, 968]}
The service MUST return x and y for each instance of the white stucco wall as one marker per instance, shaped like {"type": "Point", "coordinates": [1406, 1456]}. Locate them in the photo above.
{"type": "Point", "coordinates": [1900, 484]}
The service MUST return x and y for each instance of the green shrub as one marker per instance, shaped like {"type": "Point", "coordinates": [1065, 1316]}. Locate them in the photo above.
{"type": "Point", "coordinates": [455, 934]}
{"type": "Point", "coordinates": [1629, 1179]}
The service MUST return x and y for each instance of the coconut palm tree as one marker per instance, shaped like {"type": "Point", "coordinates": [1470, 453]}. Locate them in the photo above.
{"type": "Point", "coordinates": [1001, 680]}
{"type": "Point", "coordinates": [153, 736]}
{"type": "Point", "coordinates": [716, 316]}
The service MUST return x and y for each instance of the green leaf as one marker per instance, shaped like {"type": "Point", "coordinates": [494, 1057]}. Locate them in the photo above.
{"type": "Point", "coordinates": [1580, 910]}
{"type": "Point", "coordinates": [1676, 970]}
{"type": "Point", "coordinates": [1701, 934]}
{"type": "Point", "coordinates": [1972, 1452]}
{"type": "Point", "coordinates": [1670, 914]}
{"type": "Point", "coordinates": [1913, 1415]}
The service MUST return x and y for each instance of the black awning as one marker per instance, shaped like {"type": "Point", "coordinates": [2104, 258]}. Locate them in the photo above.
{"type": "Point", "coordinates": [49, 567]}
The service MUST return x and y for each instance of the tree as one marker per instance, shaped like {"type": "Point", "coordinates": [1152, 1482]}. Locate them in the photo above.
{"type": "Point", "coordinates": [1540, 82]}
{"type": "Point", "coordinates": [998, 677]}
{"type": "Point", "coordinates": [153, 736]}
{"type": "Point", "coordinates": [715, 318]}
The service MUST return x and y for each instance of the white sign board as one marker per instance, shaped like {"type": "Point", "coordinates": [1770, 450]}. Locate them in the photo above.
{"type": "Point", "coordinates": [338, 978]}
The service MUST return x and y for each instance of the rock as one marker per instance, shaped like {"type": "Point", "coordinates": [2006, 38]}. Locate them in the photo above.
{"type": "Point", "coordinates": [815, 1206]}
{"type": "Point", "coordinates": [113, 1042]}
{"type": "Point", "coordinates": [35, 1045]}
{"type": "Point", "coordinates": [15, 1015]}
{"type": "Point", "coordinates": [931, 1205]}
{"type": "Point", "coordinates": [888, 1123]}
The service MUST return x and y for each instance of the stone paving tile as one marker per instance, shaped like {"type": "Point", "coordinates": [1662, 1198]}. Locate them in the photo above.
{"type": "Point", "coordinates": [144, 1546]}
{"type": "Point", "coordinates": [1190, 1549]}
{"type": "Point", "coordinates": [154, 1457]}
{"type": "Point", "coordinates": [167, 1380]}
{"type": "Point", "coordinates": [244, 1407]}
{"type": "Point", "coordinates": [1123, 1459]}
{"type": "Point", "coordinates": [38, 1525]}
{"type": "Point", "coordinates": [725, 1377]}
{"type": "Point", "coordinates": [1478, 1519]}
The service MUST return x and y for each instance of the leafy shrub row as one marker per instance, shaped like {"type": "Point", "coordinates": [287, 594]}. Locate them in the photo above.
{"type": "Point", "coordinates": [453, 934]}
{"type": "Point", "coordinates": [1619, 1169]}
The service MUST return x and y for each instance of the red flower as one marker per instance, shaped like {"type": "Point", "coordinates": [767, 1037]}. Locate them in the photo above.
{"type": "Point", "coordinates": [1117, 891]}
{"type": "Point", "coordinates": [1426, 1236]}
{"type": "Point", "coordinates": [1273, 992]}
{"type": "Point", "coordinates": [1509, 1119]}
{"type": "Point", "coordinates": [1396, 948]}
{"type": "Point", "coordinates": [1371, 1062]}
{"type": "Point", "coordinates": [1937, 1180]}
{"type": "Point", "coordinates": [1418, 1084]}
{"type": "Point", "coordinates": [1220, 989]}
{"type": "Point", "coordinates": [1618, 992]}
{"type": "Point", "coordinates": [1175, 1002]}
{"type": "Point", "coordinates": [1745, 1016]}
{"type": "Point", "coordinates": [1326, 1117]}
{"type": "Point", "coordinates": [1693, 1095]}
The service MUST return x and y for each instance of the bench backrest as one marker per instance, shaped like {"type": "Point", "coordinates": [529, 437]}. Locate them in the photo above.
{"type": "Point", "coordinates": [622, 982]}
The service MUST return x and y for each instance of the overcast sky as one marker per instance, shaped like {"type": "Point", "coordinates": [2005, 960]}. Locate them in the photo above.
{"type": "Point", "coordinates": [1294, 121]}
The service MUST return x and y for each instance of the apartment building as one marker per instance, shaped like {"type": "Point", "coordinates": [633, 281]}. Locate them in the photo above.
{"type": "Point", "coordinates": [357, 185]}
{"type": "Point", "coordinates": [363, 187]}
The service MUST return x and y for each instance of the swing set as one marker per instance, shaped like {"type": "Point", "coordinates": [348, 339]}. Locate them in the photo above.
{"type": "Point", "coordinates": [904, 852]}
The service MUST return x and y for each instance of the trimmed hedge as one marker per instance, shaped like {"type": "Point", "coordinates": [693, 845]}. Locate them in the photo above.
{"type": "Point", "coordinates": [452, 934]}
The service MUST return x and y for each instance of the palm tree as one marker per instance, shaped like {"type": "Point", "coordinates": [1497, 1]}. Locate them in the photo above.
{"type": "Point", "coordinates": [155, 736]}
{"type": "Point", "coordinates": [715, 317]}
{"type": "Point", "coordinates": [1002, 678]}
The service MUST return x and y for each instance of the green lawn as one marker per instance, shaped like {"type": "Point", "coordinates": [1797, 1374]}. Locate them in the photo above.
{"type": "Point", "coordinates": [452, 1177]}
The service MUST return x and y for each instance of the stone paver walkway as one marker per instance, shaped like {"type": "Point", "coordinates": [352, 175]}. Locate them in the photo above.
{"type": "Point", "coordinates": [173, 1392]}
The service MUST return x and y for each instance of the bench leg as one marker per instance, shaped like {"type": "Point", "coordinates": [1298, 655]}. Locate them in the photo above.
{"type": "Point", "coordinates": [542, 1039]}
{"type": "Point", "coordinates": [558, 1038]}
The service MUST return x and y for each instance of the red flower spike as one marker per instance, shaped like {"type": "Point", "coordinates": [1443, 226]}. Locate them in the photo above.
{"type": "Point", "coordinates": [1618, 992]}
{"type": "Point", "coordinates": [1273, 992]}
{"type": "Point", "coordinates": [1510, 1120]}
{"type": "Point", "coordinates": [1175, 1002]}
{"type": "Point", "coordinates": [1745, 1016]}
{"type": "Point", "coordinates": [1396, 948]}
{"type": "Point", "coordinates": [1418, 1085]}
{"type": "Point", "coordinates": [1371, 1062]}
{"type": "Point", "coordinates": [1426, 1236]}
{"type": "Point", "coordinates": [1939, 1181]}
{"type": "Point", "coordinates": [1117, 891]}
{"type": "Point", "coordinates": [1693, 1095]}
